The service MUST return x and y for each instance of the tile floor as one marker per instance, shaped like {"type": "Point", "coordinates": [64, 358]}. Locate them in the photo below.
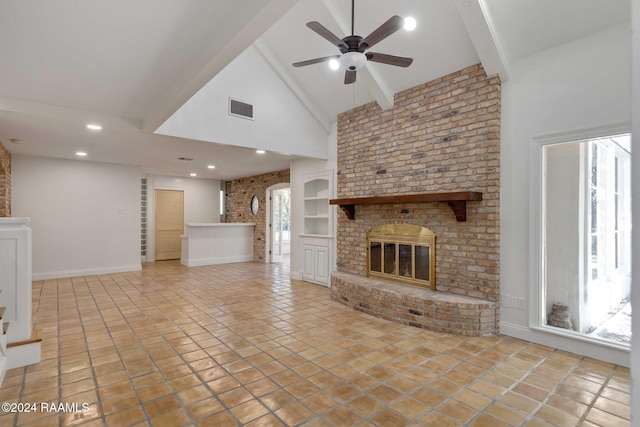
{"type": "Point", "coordinates": [242, 344]}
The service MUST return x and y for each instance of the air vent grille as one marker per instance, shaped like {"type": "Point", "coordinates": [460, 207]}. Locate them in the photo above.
{"type": "Point", "coordinates": [240, 109]}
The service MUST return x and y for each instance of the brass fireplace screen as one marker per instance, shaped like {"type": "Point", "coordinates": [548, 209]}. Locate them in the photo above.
{"type": "Point", "coordinates": [402, 252]}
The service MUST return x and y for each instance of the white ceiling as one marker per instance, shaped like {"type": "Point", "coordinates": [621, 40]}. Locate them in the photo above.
{"type": "Point", "coordinates": [130, 65]}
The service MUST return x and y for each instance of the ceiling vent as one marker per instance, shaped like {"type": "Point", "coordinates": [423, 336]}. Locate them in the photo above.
{"type": "Point", "coordinates": [240, 109]}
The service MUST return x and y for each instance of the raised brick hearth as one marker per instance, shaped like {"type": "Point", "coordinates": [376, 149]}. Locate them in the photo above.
{"type": "Point", "coordinates": [440, 137]}
{"type": "Point", "coordinates": [420, 307]}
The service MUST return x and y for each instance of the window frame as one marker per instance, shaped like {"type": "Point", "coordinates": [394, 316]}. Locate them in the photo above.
{"type": "Point", "coordinates": [537, 268]}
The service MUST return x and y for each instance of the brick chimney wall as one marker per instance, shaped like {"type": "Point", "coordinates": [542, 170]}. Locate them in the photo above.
{"type": "Point", "coordinates": [441, 136]}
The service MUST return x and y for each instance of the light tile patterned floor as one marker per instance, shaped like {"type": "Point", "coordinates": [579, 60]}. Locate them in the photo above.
{"type": "Point", "coordinates": [242, 344]}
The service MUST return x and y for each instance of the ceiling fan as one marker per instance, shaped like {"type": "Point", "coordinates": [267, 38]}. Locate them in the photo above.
{"type": "Point", "coordinates": [353, 47]}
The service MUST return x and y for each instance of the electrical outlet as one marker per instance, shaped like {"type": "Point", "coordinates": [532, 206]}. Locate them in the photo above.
{"type": "Point", "coordinates": [510, 301]}
{"type": "Point", "coordinates": [514, 302]}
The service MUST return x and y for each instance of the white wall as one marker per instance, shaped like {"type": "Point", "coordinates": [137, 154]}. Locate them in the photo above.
{"type": "Point", "coordinates": [635, 180]}
{"type": "Point", "coordinates": [579, 85]}
{"type": "Point", "coordinates": [85, 216]}
{"type": "Point", "coordinates": [280, 122]}
{"type": "Point", "coordinates": [201, 202]}
{"type": "Point", "coordinates": [299, 169]}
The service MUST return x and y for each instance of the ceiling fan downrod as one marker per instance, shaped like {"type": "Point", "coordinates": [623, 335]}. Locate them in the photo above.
{"type": "Point", "coordinates": [353, 14]}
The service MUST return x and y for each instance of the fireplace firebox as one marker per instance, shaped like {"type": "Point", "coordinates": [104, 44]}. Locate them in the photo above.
{"type": "Point", "coordinates": [402, 253]}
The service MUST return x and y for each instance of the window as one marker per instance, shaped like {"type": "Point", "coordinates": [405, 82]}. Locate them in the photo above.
{"type": "Point", "coordinates": [609, 210]}
{"type": "Point", "coordinates": [587, 236]}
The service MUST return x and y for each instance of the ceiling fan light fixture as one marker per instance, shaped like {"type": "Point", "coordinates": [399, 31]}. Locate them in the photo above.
{"type": "Point", "coordinates": [353, 61]}
{"type": "Point", "coordinates": [410, 23]}
{"type": "Point", "coordinates": [334, 64]}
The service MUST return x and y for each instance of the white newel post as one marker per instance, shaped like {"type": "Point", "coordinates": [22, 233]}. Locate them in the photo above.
{"type": "Point", "coordinates": [15, 287]}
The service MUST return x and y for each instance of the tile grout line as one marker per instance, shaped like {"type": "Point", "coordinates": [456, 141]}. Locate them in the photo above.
{"type": "Point", "coordinates": [492, 400]}
{"type": "Point", "coordinates": [117, 350]}
{"type": "Point", "coordinates": [93, 372]}
{"type": "Point", "coordinates": [174, 393]}
{"type": "Point", "coordinates": [507, 390]}
{"type": "Point", "coordinates": [552, 392]}
{"type": "Point", "coordinates": [153, 361]}
{"type": "Point", "coordinates": [597, 396]}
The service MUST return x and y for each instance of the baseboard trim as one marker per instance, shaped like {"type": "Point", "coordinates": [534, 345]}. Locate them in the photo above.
{"type": "Point", "coordinates": [584, 347]}
{"type": "Point", "coordinates": [86, 272]}
{"type": "Point", "coordinates": [215, 261]}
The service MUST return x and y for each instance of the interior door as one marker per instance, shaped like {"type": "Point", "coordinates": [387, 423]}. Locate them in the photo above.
{"type": "Point", "coordinates": [169, 207]}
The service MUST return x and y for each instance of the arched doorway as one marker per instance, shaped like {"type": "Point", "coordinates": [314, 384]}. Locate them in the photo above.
{"type": "Point", "coordinates": [278, 236]}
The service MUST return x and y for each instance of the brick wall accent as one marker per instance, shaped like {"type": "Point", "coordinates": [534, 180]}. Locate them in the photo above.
{"type": "Point", "coordinates": [441, 136]}
{"type": "Point", "coordinates": [238, 198]}
{"type": "Point", "coordinates": [5, 182]}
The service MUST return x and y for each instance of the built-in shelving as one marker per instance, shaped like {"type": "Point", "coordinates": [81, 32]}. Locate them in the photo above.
{"type": "Point", "coordinates": [316, 207]}
{"type": "Point", "coordinates": [457, 200]}
{"type": "Point", "coordinates": [318, 229]}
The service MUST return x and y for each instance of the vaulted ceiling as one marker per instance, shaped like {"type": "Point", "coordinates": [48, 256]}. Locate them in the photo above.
{"type": "Point", "coordinates": [157, 74]}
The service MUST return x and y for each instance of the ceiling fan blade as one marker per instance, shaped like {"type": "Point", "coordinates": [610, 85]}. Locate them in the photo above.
{"type": "Point", "coordinates": [383, 58]}
{"type": "Point", "coordinates": [349, 77]}
{"type": "Point", "coordinates": [333, 39]}
{"type": "Point", "coordinates": [382, 32]}
{"type": "Point", "coordinates": [316, 61]}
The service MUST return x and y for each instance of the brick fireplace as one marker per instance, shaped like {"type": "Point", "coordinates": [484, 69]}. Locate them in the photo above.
{"type": "Point", "coordinates": [440, 137]}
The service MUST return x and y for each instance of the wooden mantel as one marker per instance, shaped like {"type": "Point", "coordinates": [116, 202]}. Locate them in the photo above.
{"type": "Point", "coordinates": [457, 200]}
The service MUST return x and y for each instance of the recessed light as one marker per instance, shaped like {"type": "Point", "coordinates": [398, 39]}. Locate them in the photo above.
{"type": "Point", "coordinates": [334, 64]}
{"type": "Point", "coordinates": [260, 151]}
{"type": "Point", "coordinates": [81, 153]}
{"type": "Point", "coordinates": [410, 23]}
{"type": "Point", "coordinates": [94, 126]}
{"type": "Point", "coordinates": [193, 174]}
{"type": "Point", "coordinates": [211, 167]}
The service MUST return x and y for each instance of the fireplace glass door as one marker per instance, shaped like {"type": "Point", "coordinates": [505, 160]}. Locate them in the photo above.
{"type": "Point", "coordinates": [405, 268]}
{"type": "Point", "coordinates": [403, 253]}
{"type": "Point", "coordinates": [376, 257]}
{"type": "Point", "coordinates": [421, 262]}
{"type": "Point", "coordinates": [389, 258]}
